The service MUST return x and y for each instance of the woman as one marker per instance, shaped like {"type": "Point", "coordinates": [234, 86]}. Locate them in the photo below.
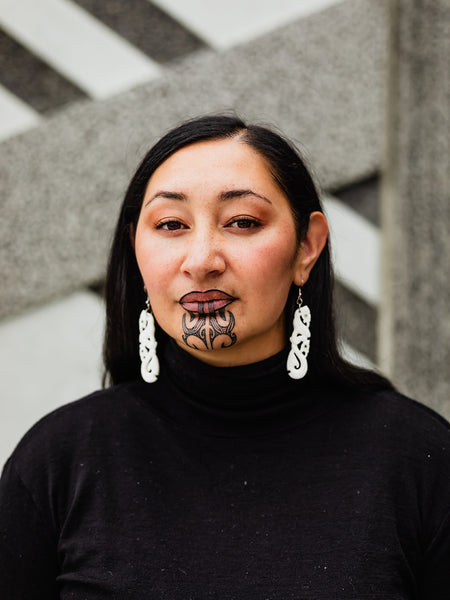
{"type": "Point", "coordinates": [236, 455]}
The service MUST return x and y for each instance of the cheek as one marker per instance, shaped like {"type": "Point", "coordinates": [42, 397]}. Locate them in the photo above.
{"type": "Point", "coordinates": [268, 276]}
{"type": "Point", "coordinates": [155, 265]}
{"type": "Point", "coordinates": [274, 263]}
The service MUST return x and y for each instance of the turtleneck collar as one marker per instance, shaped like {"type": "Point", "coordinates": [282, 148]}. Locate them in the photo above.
{"type": "Point", "coordinates": [253, 398]}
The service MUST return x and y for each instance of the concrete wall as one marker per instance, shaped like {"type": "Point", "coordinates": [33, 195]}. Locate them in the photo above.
{"type": "Point", "coordinates": [320, 70]}
{"type": "Point", "coordinates": [415, 319]}
{"type": "Point", "coordinates": [319, 79]}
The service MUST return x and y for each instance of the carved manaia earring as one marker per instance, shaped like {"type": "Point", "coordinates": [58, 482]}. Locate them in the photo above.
{"type": "Point", "coordinates": [147, 345]}
{"type": "Point", "coordinates": [297, 364]}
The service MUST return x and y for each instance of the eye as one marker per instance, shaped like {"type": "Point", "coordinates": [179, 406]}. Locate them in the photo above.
{"type": "Point", "coordinates": [244, 223]}
{"type": "Point", "coordinates": [171, 225]}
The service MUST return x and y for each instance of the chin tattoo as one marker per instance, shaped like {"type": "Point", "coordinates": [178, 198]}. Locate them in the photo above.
{"type": "Point", "coordinates": [209, 331]}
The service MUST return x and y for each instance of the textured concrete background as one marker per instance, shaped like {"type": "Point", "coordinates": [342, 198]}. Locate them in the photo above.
{"type": "Point", "coordinates": [322, 78]}
{"type": "Point", "coordinates": [61, 183]}
{"type": "Point", "coordinates": [415, 318]}
{"type": "Point", "coordinates": [62, 180]}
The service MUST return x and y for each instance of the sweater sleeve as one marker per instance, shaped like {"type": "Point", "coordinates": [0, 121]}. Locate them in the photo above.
{"type": "Point", "coordinates": [27, 550]}
{"type": "Point", "coordinates": [436, 566]}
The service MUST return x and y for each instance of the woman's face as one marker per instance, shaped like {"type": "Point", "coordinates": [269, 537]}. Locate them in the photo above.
{"type": "Point", "coordinates": [216, 246]}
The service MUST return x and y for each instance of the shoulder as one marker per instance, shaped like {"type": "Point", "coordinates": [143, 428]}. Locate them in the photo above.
{"type": "Point", "coordinates": [411, 443]}
{"type": "Point", "coordinates": [71, 428]}
{"type": "Point", "coordinates": [394, 410]}
{"type": "Point", "coordinates": [390, 409]}
{"type": "Point", "coordinates": [393, 430]}
{"type": "Point", "coordinates": [94, 405]}
{"type": "Point", "coordinates": [399, 435]}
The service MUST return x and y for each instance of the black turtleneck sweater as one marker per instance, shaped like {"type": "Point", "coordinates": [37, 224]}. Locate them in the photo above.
{"type": "Point", "coordinates": [228, 483]}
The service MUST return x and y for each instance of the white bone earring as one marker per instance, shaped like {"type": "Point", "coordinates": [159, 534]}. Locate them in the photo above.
{"type": "Point", "coordinates": [297, 364]}
{"type": "Point", "coordinates": [147, 346]}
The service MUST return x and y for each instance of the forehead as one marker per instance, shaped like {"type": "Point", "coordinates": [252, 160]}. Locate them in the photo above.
{"type": "Point", "coordinates": [223, 163]}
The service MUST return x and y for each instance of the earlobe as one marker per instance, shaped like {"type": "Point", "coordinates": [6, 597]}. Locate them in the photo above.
{"type": "Point", "coordinates": [311, 247]}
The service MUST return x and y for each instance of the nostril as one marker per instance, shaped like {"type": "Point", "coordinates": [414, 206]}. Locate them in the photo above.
{"type": "Point", "coordinates": [203, 261]}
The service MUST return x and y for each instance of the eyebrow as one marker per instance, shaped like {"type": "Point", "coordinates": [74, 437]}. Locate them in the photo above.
{"type": "Point", "coordinates": [231, 194]}
{"type": "Point", "coordinates": [168, 195]}
{"type": "Point", "coordinates": [223, 196]}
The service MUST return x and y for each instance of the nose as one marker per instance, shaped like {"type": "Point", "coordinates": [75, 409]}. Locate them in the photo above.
{"type": "Point", "coordinates": [204, 256]}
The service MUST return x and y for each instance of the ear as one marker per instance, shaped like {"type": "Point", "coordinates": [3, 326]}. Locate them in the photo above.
{"type": "Point", "coordinates": [311, 247]}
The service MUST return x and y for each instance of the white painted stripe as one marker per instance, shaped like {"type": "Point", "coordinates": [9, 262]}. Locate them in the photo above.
{"type": "Point", "coordinates": [225, 24]}
{"type": "Point", "coordinates": [355, 357]}
{"type": "Point", "coordinates": [15, 116]}
{"type": "Point", "coordinates": [61, 364]}
{"type": "Point", "coordinates": [355, 245]}
{"type": "Point", "coordinates": [77, 45]}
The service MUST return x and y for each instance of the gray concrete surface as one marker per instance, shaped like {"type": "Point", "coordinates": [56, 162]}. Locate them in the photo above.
{"type": "Point", "coordinates": [49, 356]}
{"type": "Point", "coordinates": [415, 317]}
{"type": "Point", "coordinates": [322, 80]}
{"type": "Point", "coordinates": [319, 79]}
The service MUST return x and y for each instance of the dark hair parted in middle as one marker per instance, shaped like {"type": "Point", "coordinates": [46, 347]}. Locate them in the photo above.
{"type": "Point", "coordinates": [125, 296]}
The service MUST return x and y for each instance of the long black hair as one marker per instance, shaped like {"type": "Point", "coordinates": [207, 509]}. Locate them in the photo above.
{"type": "Point", "coordinates": [125, 296]}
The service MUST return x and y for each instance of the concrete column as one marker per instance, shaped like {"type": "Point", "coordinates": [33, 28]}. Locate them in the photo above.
{"type": "Point", "coordinates": [415, 309]}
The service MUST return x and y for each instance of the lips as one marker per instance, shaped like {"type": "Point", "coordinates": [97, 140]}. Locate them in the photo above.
{"type": "Point", "coordinates": [206, 302]}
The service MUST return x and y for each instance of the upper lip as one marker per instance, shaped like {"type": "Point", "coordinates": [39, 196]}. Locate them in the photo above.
{"type": "Point", "coordinates": [206, 302]}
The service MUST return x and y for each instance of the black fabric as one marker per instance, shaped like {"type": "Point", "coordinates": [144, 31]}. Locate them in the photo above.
{"type": "Point", "coordinates": [228, 483]}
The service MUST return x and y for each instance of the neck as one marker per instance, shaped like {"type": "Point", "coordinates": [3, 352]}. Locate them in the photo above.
{"type": "Point", "coordinates": [244, 399]}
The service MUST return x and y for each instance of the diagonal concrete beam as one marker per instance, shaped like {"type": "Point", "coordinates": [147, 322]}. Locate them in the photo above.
{"type": "Point", "coordinates": [15, 115]}
{"type": "Point", "coordinates": [320, 80]}
{"type": "Point", "coordinates": [80, 47]}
